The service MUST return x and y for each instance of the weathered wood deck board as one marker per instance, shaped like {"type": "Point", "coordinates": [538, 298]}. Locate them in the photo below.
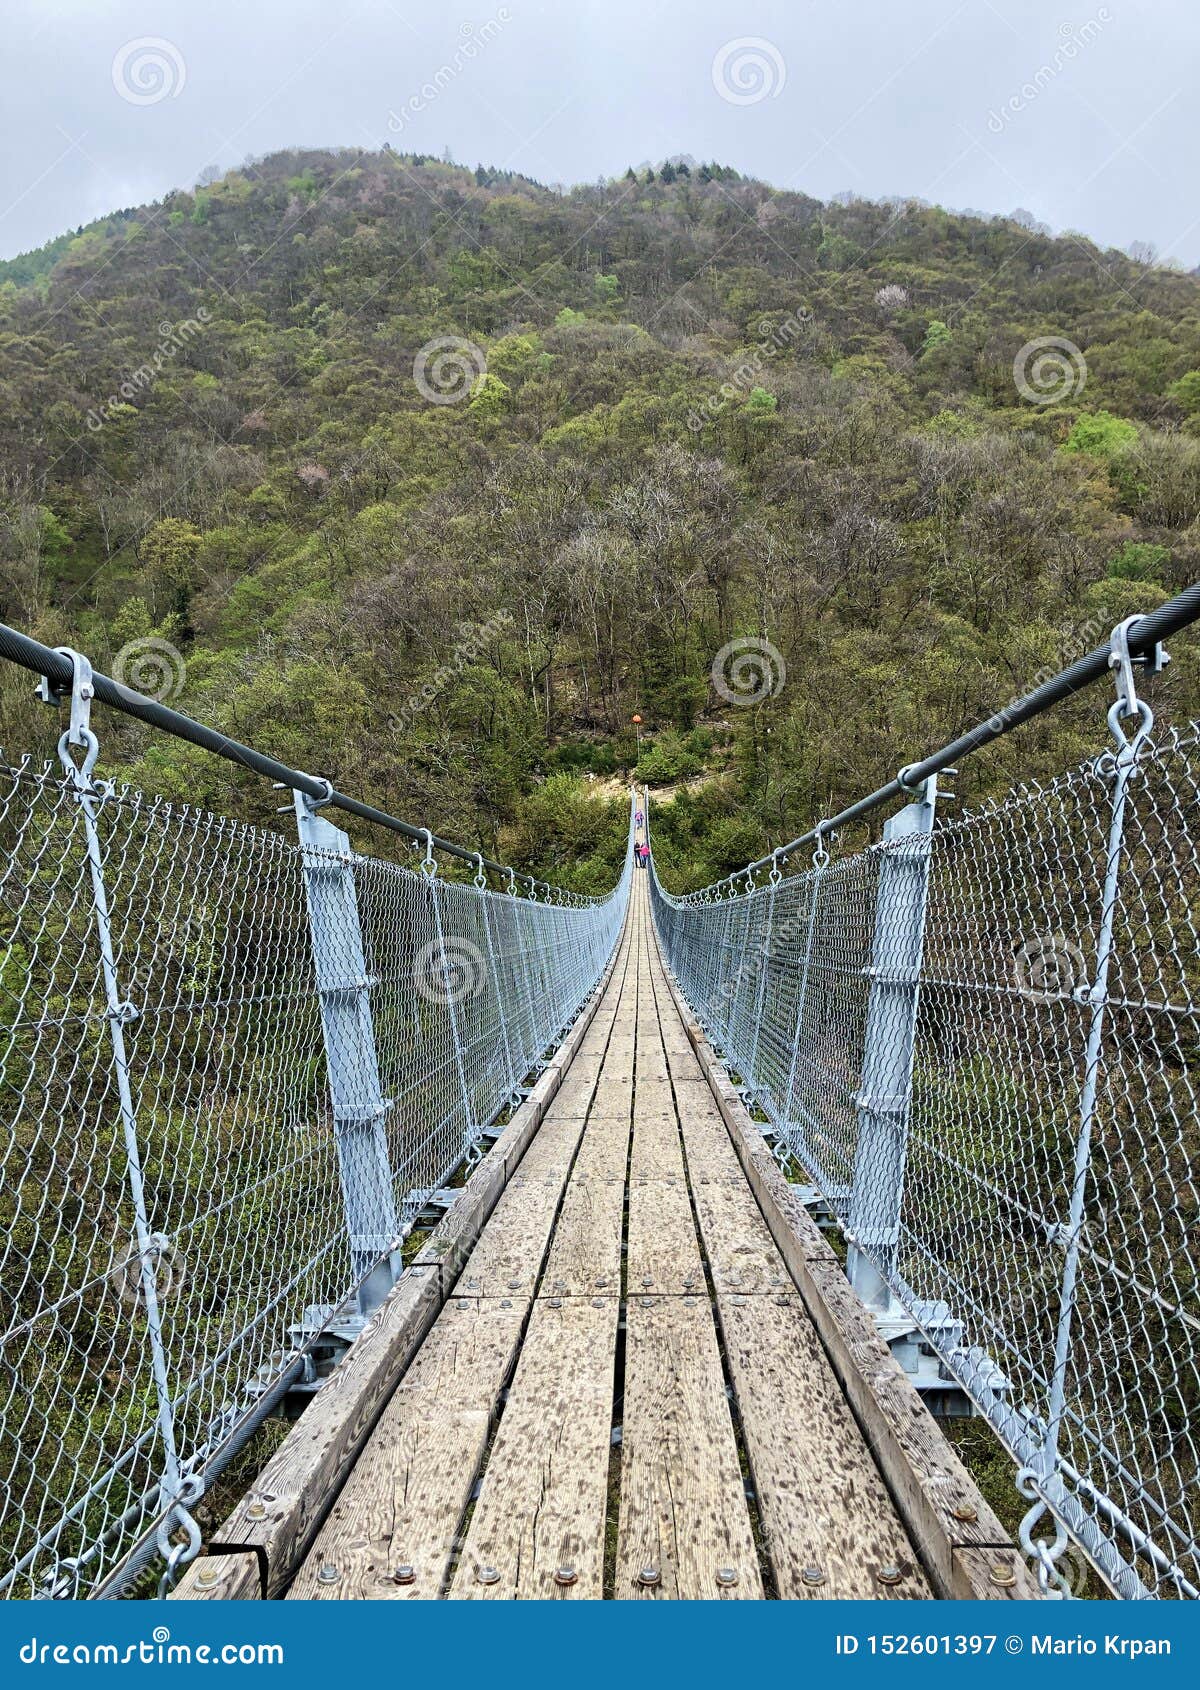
{"type": "Point", "coordinates": [508, 1257]}
{"type": "Point", "coordinates": [538, 1527]}
{"type": "Point", "coordinates": [400, 1509]}
{"type": "Point", "coordinates": [826, 1512]}
{"type": "Point", "coordinates": [741, 1253]}
{"type": "Point", "coordinates": [604, 1149]}
{"type": "Point", "coordinates": [657, 1153]}
{"type": "Point", "coordinates": [684, 1526]}
{"type": "Point", "coordinates": [585, 1251]}
{"type": "Point", "coordinates": [663, 1256]}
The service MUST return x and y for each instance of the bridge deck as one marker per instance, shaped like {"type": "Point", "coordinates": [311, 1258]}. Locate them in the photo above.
{"type": "Point", "coordinates": [624, 1396]}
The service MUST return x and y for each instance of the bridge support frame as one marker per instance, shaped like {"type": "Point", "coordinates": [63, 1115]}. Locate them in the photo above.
{"type": "Point", "coordinates": [884, 1100]}
{"type": "Point", "coordinates": [359, 1107]}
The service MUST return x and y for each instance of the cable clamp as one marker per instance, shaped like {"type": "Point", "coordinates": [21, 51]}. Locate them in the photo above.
{"type": "Point", "coordinates": [428, 862]}
{"type": "Point", "coordinates": [79, 730]}
{"type": "Point", "coordinates": [1128, 704]}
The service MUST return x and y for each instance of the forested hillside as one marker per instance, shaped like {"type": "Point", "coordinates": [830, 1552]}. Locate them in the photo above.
{"type": "Point", "coordinates": [690, 409]}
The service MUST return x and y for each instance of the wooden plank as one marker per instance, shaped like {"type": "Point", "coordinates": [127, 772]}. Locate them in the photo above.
{"type": "Point", "coordinates": [614, 1095]}
{"type": "Point", "coordinates": [585, 1251]}
{"type": "Point", "coordinates": [575, 1096]}
{"type": "Point", "coordinates": [654, 1097]}
{"type": "Point", "coordinates": [508, 1257]}
{"type": "Point", "coordinates": [554, 1145]}
{"type": "Point", "coordinates": [825, 1509]}
{"type": "Point", "coordinates": [709, 1151]}
{"type": "Point", "coordinates": [741, 1253]}
{"type": "Point", "coordinates": [604, 1149]}
{"type": "Point", "coordinates": [657, 1153]}
{"type": "Point", "coordinates": [663, 1256]}
{"type": "Point", "coordinates": [542, 1504]}
{"type": "Point", "coordinates": [401, 1506]}
{"type": "Point", "coordinates": [683, 1506]}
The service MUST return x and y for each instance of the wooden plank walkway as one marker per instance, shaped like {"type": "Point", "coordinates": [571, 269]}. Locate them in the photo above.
{"type": "Point", "coordinates": [625, 1396]}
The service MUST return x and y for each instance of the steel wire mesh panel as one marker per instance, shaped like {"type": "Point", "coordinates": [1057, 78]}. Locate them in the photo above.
{"type": "Point", "coordinates": [1040, 1146]}
{"type": "Point", "coordinates": [174, 1199]}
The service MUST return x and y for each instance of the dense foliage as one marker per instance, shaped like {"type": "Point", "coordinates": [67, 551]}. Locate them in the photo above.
{"type": "Point", "coordinates": [710, 411]}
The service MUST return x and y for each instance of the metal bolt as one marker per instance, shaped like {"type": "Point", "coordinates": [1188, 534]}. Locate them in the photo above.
{"type": "Point", "coordinates": [514, 1284]}
{"type": "Point", "coordinates": [328, 1574]}
{"type": "Point", "coordinates": [404, 1574]}
{"type": "Point", "coordinates": [597, 1302]}
{"type": "Point", "coordinates": [256, 1511]}
{"type": "Point", "coordinates": [889, 1575]}
{"type": "Point", "coordinates": [488, 1575]}
{"type": "Point", "coordinates": [649, 1577]}
{"type": "Point", "coordinates": [726, 1577]}
{"type": "Point", "coordinates": [556, 1302]}
{"type": "Point", "coordinates": [207, 1576]}
{"type": "Point", "coordinates": [966, 1513]}
{"type": "Point", "coordinates": [506, 1302]}
{"type": "Point", "coordinates": [601, 1283]}
{"type": "Point", "coordinates": [1003, 1575]}
{"type": "Point", "coordinates": [565, 1575]}
{"type": "Point", "coordinates": [647, 1279]}
{"type": "Point", "coordinates": [812, 1576]}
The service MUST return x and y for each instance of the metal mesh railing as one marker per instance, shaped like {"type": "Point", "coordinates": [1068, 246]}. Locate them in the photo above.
{"type": "Point", "coordinates": [233, 1070]}
{"type": "Point", "coordinates": [981, 1041]}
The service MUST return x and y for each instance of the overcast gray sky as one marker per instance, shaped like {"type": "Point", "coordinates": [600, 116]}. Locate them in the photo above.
{"type": "Point", "coordinates": [1083, 113]}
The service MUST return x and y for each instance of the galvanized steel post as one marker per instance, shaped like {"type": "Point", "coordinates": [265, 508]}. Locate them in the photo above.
{"type": "Point", "coordinates": [359, 1106]}
{"type": "Point", "coordinates": [885, 1098]}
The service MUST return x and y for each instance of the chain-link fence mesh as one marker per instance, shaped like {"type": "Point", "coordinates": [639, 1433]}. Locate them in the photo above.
{"type": "Point", "coordinates": [981, 1041]}
{"type": "Point", "coordinates": [195, 1182]}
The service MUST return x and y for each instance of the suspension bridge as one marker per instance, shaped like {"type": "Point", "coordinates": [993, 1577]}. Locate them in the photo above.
{"type": "Point", "coordinates": [630, 1247]}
